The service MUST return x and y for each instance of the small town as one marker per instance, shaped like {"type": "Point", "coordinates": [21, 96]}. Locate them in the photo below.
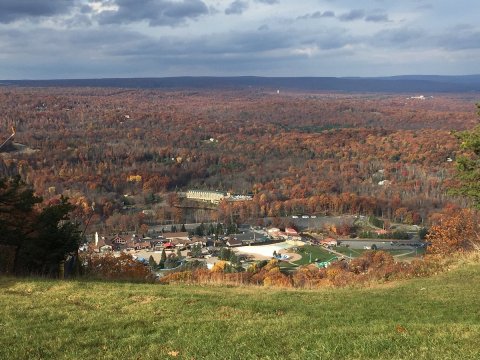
{"type": "Point", "coordinates": [165, 250]}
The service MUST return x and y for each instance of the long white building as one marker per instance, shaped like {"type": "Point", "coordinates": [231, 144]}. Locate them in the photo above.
{"type": "Point", "coordinates": [206, 195]}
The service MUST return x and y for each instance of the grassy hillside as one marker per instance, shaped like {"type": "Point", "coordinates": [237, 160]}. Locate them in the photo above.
{"type": "Point", "coordinates": [433, 318]}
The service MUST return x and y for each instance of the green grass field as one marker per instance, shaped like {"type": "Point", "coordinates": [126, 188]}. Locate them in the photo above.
{"type": "Point", "coordinates": [431, 318]}
{"type": "Point", "coordinates": [317, 252]}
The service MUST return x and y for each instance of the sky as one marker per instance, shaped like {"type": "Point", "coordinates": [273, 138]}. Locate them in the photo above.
{"type": "Point", "coordinates": [53, 39]}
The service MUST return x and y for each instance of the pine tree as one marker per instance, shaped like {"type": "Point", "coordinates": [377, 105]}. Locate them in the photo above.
{"type": "Point", "coordinates": [468, 165]}
{"type": "Point", "coordinates": [163, 258]}
{"type": "Point", "coordinates": [151, 262]}
{"type": "Point", "coordinates": [42, 239]}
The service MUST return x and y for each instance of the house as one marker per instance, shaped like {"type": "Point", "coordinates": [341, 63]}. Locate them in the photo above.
{"type": "Point", "coordinates": [234, 242]}
{"type": "Point", "coordinates": [291, 231]}
{"type": "Point", "coordinates": [103, 245]}
{"type": "Point", "coordinates": [329, 242]}
{"type": "Point", "coordinates": [175, 235]}
{"type": "Point", "coordinates": [181, 243]}
{"type": "Point", "coordinates": [273, 232]}
{"type": "Point", "coordinates": [105, 248]}
{"type": "Point", "coordinates": [198, 240]}
{"type": "Point", "coordinates": [118, 240]}
{"type": "Point", "coordinates": [142, 245]}
{"type": "Point", "coordinates": [130, 245]}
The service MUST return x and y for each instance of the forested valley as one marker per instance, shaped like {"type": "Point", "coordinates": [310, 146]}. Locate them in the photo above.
{"type": "Point", "coordinates": [126, 151]}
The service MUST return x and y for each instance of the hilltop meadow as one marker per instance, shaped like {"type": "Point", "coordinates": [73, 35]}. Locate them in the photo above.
{"type": "Point", "coordinates": [425, 318]}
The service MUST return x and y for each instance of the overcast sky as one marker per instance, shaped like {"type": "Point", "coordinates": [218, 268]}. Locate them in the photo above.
{"type": "Point", "coordinates": [41, 39]}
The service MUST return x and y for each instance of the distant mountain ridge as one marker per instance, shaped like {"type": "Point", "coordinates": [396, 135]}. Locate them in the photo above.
{"type": "Point", "coordinates": [392, 84]}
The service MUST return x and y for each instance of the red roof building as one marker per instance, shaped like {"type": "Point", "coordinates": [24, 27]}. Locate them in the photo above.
{"type": "Point", "coordinates": [291, 231]}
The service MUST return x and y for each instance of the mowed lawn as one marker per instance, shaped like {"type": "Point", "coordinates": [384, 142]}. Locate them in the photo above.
{"type": "Point", "coordinates": [317, 252]}
{"type": "Point", "coordinates": [432, 318]}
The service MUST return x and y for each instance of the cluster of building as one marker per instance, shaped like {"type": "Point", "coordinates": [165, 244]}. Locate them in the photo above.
{"type": "Point", "coordinates": [288, 234]}
{"type": "Point", "coordinates": [215, 197]}
{"type": "Point", "coordinates": [167, 241]}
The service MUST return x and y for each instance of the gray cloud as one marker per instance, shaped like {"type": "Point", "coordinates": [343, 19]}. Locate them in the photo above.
{"type": "Point", "coordinates": [270, 2]}
{"type": "Point", "coordinates": [12, 10]}
{"type": "Point", "coordinates": [237, 7]}
{"type": "Point", "coordinates": [155, 12]}
{"type": "Point", "coordinates": [400, 37]}
{"type": "Point", "coordinates": [352, 15]}
{"type": "Point", "coordinates": [317, 15]}
{"type": "Point", "coordinates": [102, 38]}
{"type": "Point", "coordinates": [356, 14]}
{"type": "Point", "coordinates": [377, 18]}
{"type": "Point", "coordinates": [334, 38]}
{"type": "Point", "coordinates": [218, 45]}
{"type": "Point", "coordinates": [460, 38]}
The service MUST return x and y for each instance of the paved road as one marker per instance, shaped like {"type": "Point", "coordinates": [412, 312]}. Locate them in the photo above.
{"type": "Point", "coordinates": [380, 244]}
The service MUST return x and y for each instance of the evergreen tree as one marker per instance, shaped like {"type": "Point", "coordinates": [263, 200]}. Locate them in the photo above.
{"type": "Point", "coordinates": [196, 250]}
{"type": "Point", "coordinates": [163, 258]}
{"type": "Point", "coordinates": [468, 165]}
{"type": "Point", "coordinates": [219, 231]}
{"type": "Point", "coordinates": [151, 262]}
{"type": "Point", "coordinates": [232, 228]}
{"type": "Point", "coordinates": [211, 229]}
{"type": "Point", "coordinates": [200, 230]}
{"type": "Point", "coordinates": [42, 239]}
{"type": "Point", "coordinates": [225, 254]}
{"type": "Point", "coordinates": [234, 259]}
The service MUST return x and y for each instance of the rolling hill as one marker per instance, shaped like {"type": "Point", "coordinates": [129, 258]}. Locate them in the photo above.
{"type": "Point", "coordinates": [395, 84]}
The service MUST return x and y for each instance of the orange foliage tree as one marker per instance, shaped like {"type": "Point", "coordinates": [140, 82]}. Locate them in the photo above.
{"type": "Point", "coordinates": [457, 232]}
{"type": "Point", "coordinates": [110, 267]}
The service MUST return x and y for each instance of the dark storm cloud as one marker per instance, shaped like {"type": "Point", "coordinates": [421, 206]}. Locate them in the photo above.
{"type": "Point", "coordinates": [352, 15]}
{"type": "Point", "coordinates": [155, 12]}
{"type": "Point", "coordinates": [236, 8]}
{"type": "Point", "coordinates": [12, 10]}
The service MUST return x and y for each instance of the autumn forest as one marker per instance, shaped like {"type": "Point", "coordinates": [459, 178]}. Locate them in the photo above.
{"type": "Point", "coordinates": [128, 150]}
